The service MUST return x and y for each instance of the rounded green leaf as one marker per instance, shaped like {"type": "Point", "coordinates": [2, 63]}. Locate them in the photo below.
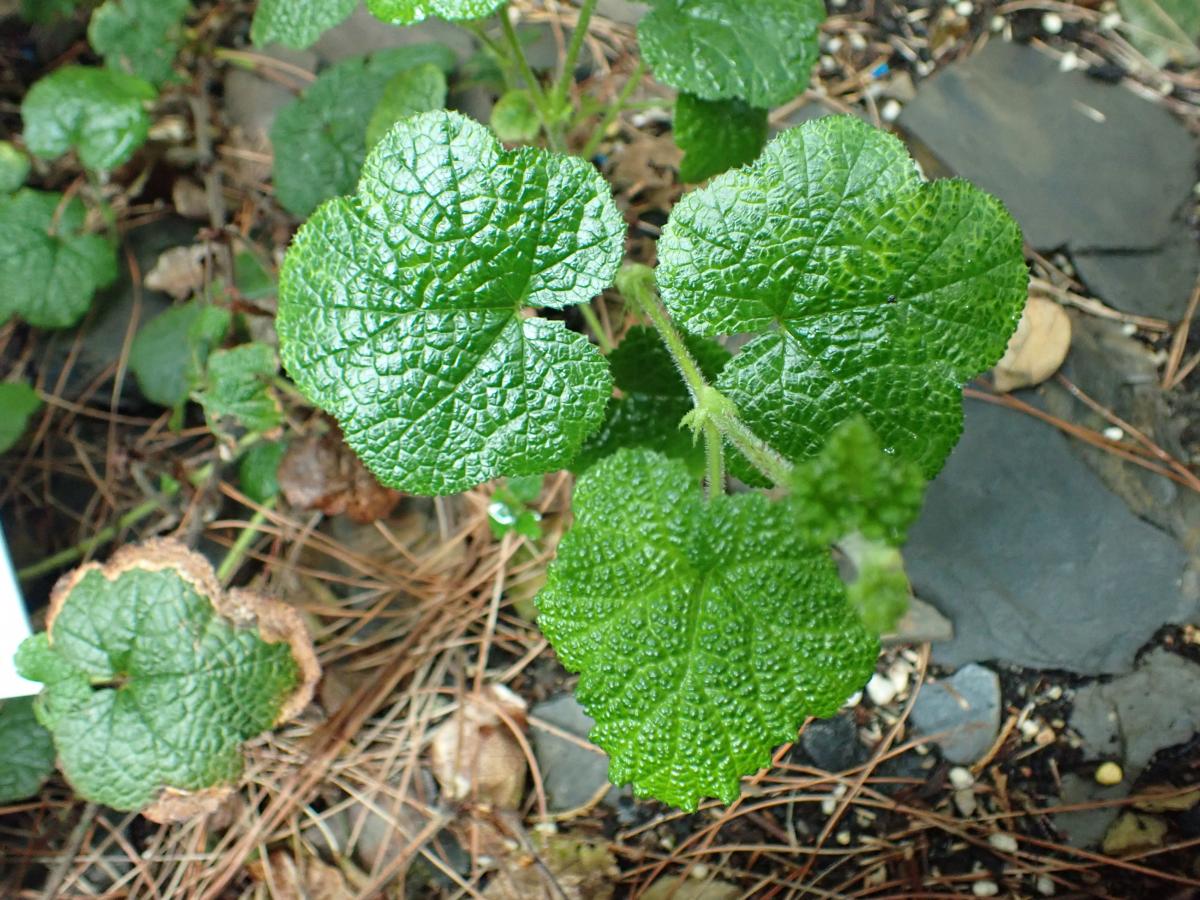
{"type": "Point", "coordinates": [28, 757]}
{"type": "Point", "coordinates": [18, 401]}
{"type": "Point", "coordinates": [258, 470]}
{"type": "Point", "coordinates": [49, 268]}
{"type": "Point", "coordinates": [320, 139]}
{"type": "Point", "coordinates": [401, 307]}
{"type": "Point", "coordinates": [716, 135]}
{"type": "Point", "coordinates": [515, 117]}
{"type": "Point", "coordinates": [169, 352]}
{"type": "Point", "coordinates": [704, 632]}
{"type": "Point", "coordinates": [873, 292]}
{"type": "Point", "coordinates": [99, 112]}
{"type": "Point", "coordinates": [154, 678]}
{"type": "Point", "coordinates": [140, 37]}
{"type": "Point", "coordinates": [14, 167]}
{"type": "Point", "coordinates": [409, 12]}
{"type": "Point", "coordinates": [761, 51]}
{"type": "Point", "coordinates": [296, 23]}
{"type": "Point", "coordinates": [237, 389]}
{"type": "Point", "coordinates": [419, 89]}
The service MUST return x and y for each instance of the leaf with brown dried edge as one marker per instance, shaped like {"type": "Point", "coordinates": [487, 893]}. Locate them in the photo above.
{"type": "Point", "coordinates": [154, 676]}
{"type": "Point", "coordinates": [321, 472]}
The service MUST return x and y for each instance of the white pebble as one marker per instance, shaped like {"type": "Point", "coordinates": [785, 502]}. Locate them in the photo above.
{"type": "Point", "coordinates": [700, 871]}
{"type": "Point", "coordinates": [1005, 843]}
{"type": "Point", "coordinates": [964, 8]}
{"type": "Point", "coordinates": [833, 45]}
{"type": "Point", "coordinates": [843, 838]}
{"type": "Point", "coordinates": [1045, 886]}
{"type": "Point", "coordinates": [1129, 329]}
{"type": "Point", "coordinates": [997, 24]}
{"type": "Point", "coordinates": [898, 673]}
{"type": "Point", "coordinates": [1113, 433]}
{"type": "Point", "coordinates": [1109, 22]}
{"type": "Point", "coordinates": [838, 3]}
{"type": "Point", "coordinates": [890, 111]}
{"type": "Point", "coordinates": [1108, 774]}
{"type": "Point", "coordinates": [925, 67]}
{"type": "Point", "coordinates": [961, 778]}
{"type": "Point", "coordinates": [828, 807]}
{"type": "Point", "coordinates": [965, 803]}
{"type": "Point", "coordinates": [881, 690]}
{"type": "Point", "coordinates": [1055, 692]}
{"type": "Point", "coordinates": [1069, 62]}
{"type": "Point", "coordinates": [985, 888]}
{"type": "Point", "coordinates": [1029, 729]}
{"type": "Point", "coordinates": [1052, 23]}
{"type": "Point", "coordinates": [857, 41]}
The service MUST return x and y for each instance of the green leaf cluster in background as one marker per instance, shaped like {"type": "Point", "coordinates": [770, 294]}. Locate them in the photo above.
{"type": "Point", "coordinates": [258, 470]}
{"type": "Point", "coordinates": [148, 687]}
{"type": "Point", "coordinates": [170, 351]}
{"type": "Point", "coordinates": [236, 390]}
{"type": "Point", "coordinates": [43, 11]}
{"type": "Point", "coordinates": [14, 168]}
{"type": "Point", "coordinates": [400, 308]}
{"type": "Point", "coordinates": [653, 400]}
{"type": "Point", "coordinates": [139, 37]}
{"type": "Point", "coordinates": [716, 135]}
{"type": "Point", "coordinates": [508, 511]}
{"type": "Point", "coordinates": [409, 12]}
{"type": "Point", "coordinates": [704, 632]}
{"type": "Point", "coordinates": [18, 401]}
{"type": "Point", "coordinates": [515, 116]}
{"type": "Point", "coordinates": [49, 266]}
{"type": "Point", "coordinates": [419, 89]}
{"type": "Point", "coordinates": [100, 113]}
{"type": "Point", "coordinates": [296, 23]}
{"type": "Point", "coordinates": [28, 757]}
{"type": "Point", "coordinates": [320, 140]}
{"type": "Point", "coordinates": [872, 292]}
{"type": "Point", "coordinates": [1166, 31]}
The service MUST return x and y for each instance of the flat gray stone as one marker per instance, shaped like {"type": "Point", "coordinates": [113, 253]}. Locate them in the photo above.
{"type": "Point", "coordinates": [960, 713]}
{"type": "Point", "coordinates": [1034, 561]}
{"type": "Point", "coordinates": [571, 774]}
{"type": "Point", "coordinates": [1087, 827]}
{"type": "Point", "coordinates": [1082, 165]}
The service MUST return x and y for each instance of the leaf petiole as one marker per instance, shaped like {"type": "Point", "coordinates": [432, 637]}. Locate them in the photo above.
{"type": "Point", "coordinates": [540, 100]}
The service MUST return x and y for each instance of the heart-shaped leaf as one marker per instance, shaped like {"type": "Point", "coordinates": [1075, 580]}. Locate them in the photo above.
{"type": "Point", "coordinates": [409, 12]}
{"type": "Point", "coordinates": [703, 632]}
{"type": "Point", "coordinates": [28, 758]}
{"type": "Point", "coordinates": [873, 292]}
{"type": "Point", "coordinates": [401, 308]}
{"type": "Point", "coordinates": [296, 23]}
{"type": "Point", "coordinates": [140, 37]}
{"type": "Point", "coordinates": [18, 401]}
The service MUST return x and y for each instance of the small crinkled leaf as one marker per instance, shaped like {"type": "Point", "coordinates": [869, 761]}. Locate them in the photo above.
{"type": "Point", "coordinates": [49, 268]}
{"type": "Point", "coordinates": [654, 400]}
{"type": "Point", "coordinates": [296, 23]}
{"type": "Point", "coordinates": [419, 89]}
{"type": "Point", "coordinates": [14, 167]}
{"type": "Point", "coordinates": [140, 37]}
{"type": "Point", "coordinates": [400, 308]}
{"type": "Point", "coordinates": [101, 113]}
{"type": "Point", "coordinates": [409, 12]}
{"type": "Point", "coordinates": [515, 117]}
{"type": "Point", "coordinates": [154, 677]}
{"type": "Point", "coordinates": [320, 139]}
{"type": "Point", "coordinates": [761, 51]}
{"type": "Point", "coordinates": [874, 293]}
{"type": "Point", "coordinates": [28, 757]}
{"type": "Point", "coordinates": [716, 135]}
{"type": "Point", "coordinates": [237, 388]}
{"type": "Point", "coordinates": [258, 470]}
{"type": "Point", "coordinates": [853, 485]}
{"type": "Point", "coordinates": [169, 352]}
{"type": "Point", "coordinates": [1166, 31]}
{"type": "Point", "coordinates": [880, 590]}
{"type": "Point", "coordinates": [703, 632]}
{"type": "Point", "coordinates": [18, 401]}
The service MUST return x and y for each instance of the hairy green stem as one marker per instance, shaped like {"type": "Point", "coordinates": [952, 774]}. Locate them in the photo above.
{"type": "Point", "coordinates": [636, 284]}
{"type": "Point", "coordinates": [103, 536]}
{"type": "Point", "coordinates": [593, 322]}
{"type": "Point", "coordinates": [714, 456]}
{"type": "Point", "coordinates": [614, 110]}
{"type": "Point", "coordinates": [496, 50]}
{"type": "Point", "coordinates": [540, 100]}
{"type": "Point", "coordinates": [559, 95]}
{"type": "Point", "coordinates": [233, 559]}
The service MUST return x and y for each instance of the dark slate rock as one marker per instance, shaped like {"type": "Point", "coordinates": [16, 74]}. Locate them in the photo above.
{"type": "Point", "coordinates": [1083, 165]}
{"type": "Point", "coordinates": [1087, 827]}
{"type": "Point", "coordinates": [961, 714]}
{"type": "Point", "coordinates": [833, 744]}
{"type": "Point", "coordinates": [571, 774]}
{"type": "Point", "coordinates": [1034, 560]}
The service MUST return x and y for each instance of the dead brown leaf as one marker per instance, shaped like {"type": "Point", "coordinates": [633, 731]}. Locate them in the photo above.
{"type": "Point", "coordinates": [305, 879]}
{"type": "Point", "coordinates": [645, 170]}
{"type": "Point", "coordinates": [562, 867]}
{"type": "Point", "coordinates": [179, 271]}
{"type": "Point", "coordinates": [321, 472]}
{"type": "Point", "coordinates": [474, 755]}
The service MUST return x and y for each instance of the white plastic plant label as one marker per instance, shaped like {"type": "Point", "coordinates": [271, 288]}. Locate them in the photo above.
{"type": "Point", "coordinates": [14, 628]}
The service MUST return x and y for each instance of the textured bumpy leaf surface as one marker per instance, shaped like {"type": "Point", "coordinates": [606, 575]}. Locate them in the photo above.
{"type": "Point", "coordinates": [28, 757]}
{"type": "Point", "coordinates": [236, 388]}
{"type": "Point", "coordinates": [761, 51]}
{"type": "Point", "coordinates": [146, 686]}
{"type": "Point", "coordinates": [18, 401]}
{"type": "Point", "coordinates": [703, 632]}
{"type": "Point", "coordinates": [170, 350]}
{"type": "Point", "coordinates": [653, 401]}
{"type": "Point", "coordinates": [49, 268]}
{"type": "Point", "coordinates": [296, 23]}
{"type": "Point", "coordinates": [409, 12]}
{"type": "Point", "coordinates": [400, 308]}
{"type": "Point", "coordinates": [716, 135]}
{"type": "Point", "coordinates": [140, 37]}
{"type": "Point", "coordinates": [99, 112]}
{"type": "Point", "coordinates": [419, 89]}
{"type": "Point", "coordinates": [874, 293]}
{"type": "Point", "coordinates": [14, 167]}
{"type": "Point", "coordinates": [320, 140]}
